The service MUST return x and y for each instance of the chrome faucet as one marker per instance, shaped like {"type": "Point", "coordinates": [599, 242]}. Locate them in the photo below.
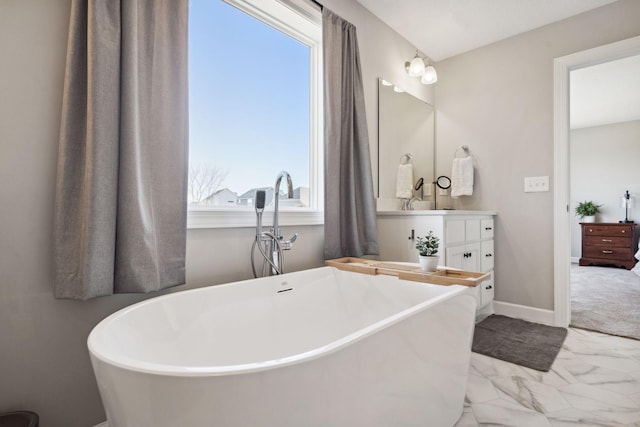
{"type": "Point", "coordinates": [279, 244]}
{"type": "Point", "coordinates": [407, 204]}
{"type": "Point", "coordinates": [276, 228]}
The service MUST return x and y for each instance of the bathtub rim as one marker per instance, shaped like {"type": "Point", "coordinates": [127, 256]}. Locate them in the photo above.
{"type": "Point", "coordinates": [135, 365]}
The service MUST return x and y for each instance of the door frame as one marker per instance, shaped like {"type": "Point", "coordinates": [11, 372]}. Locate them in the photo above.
{"type": "Point", "coordinates": [562, 66]}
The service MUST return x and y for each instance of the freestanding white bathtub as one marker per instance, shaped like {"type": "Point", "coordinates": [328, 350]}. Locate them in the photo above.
{"type": "Point", "coordinates": [321, 347]}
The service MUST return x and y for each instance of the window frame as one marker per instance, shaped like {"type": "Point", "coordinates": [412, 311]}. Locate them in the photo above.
{"type": "Point", "coordinates": [302, 22]}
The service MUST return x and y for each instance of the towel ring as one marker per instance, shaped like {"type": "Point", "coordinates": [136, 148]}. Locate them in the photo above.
{"type": "Point", "coordinates": [464, 148]}
{"type": "Point", "coordinates": [406, 159]}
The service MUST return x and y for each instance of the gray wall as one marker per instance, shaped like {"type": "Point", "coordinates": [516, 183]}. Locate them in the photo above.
{"type": "Point", "coordinates": [44, 364]}
{"type": "Point", "coordinates": [499, 100]}
{"type": "Point", "coordinates": [604, 163]}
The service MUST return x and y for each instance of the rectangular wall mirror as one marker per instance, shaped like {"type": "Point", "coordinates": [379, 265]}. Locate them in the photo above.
{"type": "Point", "coordinates": [405, 126]}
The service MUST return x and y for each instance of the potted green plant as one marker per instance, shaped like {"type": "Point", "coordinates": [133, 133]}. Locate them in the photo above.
{"type": "Point", "coordinates": [587, 211]}
{"type": "Point", "coordinates": [428, 249]}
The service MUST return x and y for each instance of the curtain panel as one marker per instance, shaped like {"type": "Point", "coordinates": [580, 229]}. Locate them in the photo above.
{"type": "Point", "coordinates": [121, 208]}
{"type": "Point", "coordinates": [350, 213]}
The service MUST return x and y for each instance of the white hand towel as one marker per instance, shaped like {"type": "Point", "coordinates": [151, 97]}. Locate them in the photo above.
{"type": "Point", "coordinates": [404, 181]}
{"type": "Point", "coordinates": [462, 177]}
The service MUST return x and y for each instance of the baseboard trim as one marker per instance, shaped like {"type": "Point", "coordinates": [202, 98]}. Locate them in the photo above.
{"type": "Point", "coordinates": [531, 314]}
{"type": "Point", "coordinates": [575, 260]}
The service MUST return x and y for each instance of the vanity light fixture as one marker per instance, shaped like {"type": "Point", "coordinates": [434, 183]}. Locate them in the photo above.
{"type": "Point", "coordinates": [430, 75]}
{"type": "Point", "coordinates": [626, 202]}
{"type": "Point", "coordinates": [417, 68]}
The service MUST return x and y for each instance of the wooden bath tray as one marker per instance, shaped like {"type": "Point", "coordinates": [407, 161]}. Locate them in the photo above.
{"type": "Point", "coordinates": [409, 272]}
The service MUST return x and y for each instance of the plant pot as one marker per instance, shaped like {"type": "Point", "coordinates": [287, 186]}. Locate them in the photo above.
{"type": "Point", "coordinates": [590, 218]}
{"type": "Point", "coordinates": [428, 263]}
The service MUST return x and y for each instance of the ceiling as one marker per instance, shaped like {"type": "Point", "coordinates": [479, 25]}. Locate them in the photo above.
{"type": "Point", "coordinates": [440, 29]}
{"type": "Point", "coordinates": [605, 93]}
{"type": "Point", "coordinates": [444, 28]}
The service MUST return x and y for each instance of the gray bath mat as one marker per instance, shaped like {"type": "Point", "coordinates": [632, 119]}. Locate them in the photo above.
{"type": "Point", "coordinates": [527, 344]}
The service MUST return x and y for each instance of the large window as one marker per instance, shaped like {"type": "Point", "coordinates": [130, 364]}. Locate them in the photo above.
{"type": "Point", "coordinates": [254, 109]}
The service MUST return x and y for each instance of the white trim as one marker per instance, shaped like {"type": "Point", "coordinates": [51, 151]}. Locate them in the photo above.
{"type": "Point", "coordinates": [575, 260]}
{"type": "Point", "coordinates": [561, 226]}
{"type": "Point", "coordinates": [531, 314]}
{"type": "Point", "coordinates": [303, 23]}
{"type": "Point", "coordinates": [218, 218]}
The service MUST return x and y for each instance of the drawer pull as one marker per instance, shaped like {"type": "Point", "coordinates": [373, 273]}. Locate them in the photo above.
{"type": "Point", "coordinates": [489, 287]}
{"type": "Point", "coordinates": [488, 255]}
{"type": "Point", "coordinates": [413, 234]}
{"type": "Point", "coordinates": [607, 252]}
{"type": "Point", "coordinates": [607, 240]}
{"type": "Point", "coordinates": [488, 228]}
{"type": "Point", "coordinates": [623, 231]}
{"type": "Point", "coordinates": [591, 230]}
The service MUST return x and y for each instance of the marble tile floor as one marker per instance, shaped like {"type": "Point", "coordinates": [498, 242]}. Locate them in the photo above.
{"type": "Point", "coordinates": [594, 381]}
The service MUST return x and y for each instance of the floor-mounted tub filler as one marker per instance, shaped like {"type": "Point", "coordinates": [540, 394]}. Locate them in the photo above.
{"type": "Point", "coordinates": [321, 347]}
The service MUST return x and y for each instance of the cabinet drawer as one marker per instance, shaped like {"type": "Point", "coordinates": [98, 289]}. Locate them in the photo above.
{"type": "Point", "coordinates": [611, 241]}
{"type": "Point", "coordinates": [605, 230]}
{"type": "Point", "coordinates": [486, 291]}
{"type": "Point", "coordinates": [486, 256]}
{"type": "Point", "coordinates": [486, 229]}
{"type": "Point", "coordinates": [604, 252]}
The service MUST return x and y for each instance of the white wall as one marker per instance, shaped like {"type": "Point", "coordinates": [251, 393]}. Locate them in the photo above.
{"type": "Point", "coordinates": [604, 163]}
{"type": "Point", "coordinates": [44, 364]}
{"type": "Point", "coordinates": [499, 100]}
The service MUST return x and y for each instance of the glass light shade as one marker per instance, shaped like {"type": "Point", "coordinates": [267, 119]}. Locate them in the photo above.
{"type": "Point", "coordinates": [416, 67]}
{"type": "Point", "coordinates": [626, 203]}
{"type": "Point", "coordinates": [430, 76]}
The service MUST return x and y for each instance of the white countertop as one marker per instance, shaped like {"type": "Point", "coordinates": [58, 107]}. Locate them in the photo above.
{"type": "Point", "coordinates": [437, 212]}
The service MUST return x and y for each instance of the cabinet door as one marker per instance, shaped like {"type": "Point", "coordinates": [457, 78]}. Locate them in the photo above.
{"type": "Point", "coordinates": [472, 261]}
{"type": "Point", "coordinates": [486, 256]}
{"type": "Point", "coordinates": [456, 256]}
{"type": "Point", "coordinates": [464, 257]}
{"type": "Point", "coordinates": [486, 229]}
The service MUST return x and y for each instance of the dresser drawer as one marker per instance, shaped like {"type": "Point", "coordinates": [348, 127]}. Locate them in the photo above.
{"type": "Point", "coordinates": [604, 230]}
{"type": "Point", "coordinates": [604, 252]}
{"type": "Point", "coordinates": [610, 241]}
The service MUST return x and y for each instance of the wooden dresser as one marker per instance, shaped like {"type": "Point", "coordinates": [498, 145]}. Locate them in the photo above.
{"type": "Point", "coordinates": [605, 243]}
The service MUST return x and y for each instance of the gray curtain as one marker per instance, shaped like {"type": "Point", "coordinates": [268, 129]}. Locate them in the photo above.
{"type": "Point", "coordinates": [350, 213]}
{"type": "Point", "coordinates": [120, 209]}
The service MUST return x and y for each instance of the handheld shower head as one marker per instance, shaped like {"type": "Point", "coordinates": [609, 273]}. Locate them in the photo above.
{"type": "Point", "coordinates": [261, 197]}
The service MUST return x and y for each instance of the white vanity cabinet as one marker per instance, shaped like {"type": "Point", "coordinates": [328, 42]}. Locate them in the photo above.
{"type": "Point", "coordinates": [466, 242]}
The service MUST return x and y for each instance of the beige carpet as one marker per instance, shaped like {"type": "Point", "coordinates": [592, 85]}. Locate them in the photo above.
{"type": "Point", "coordinates": [606, 300]}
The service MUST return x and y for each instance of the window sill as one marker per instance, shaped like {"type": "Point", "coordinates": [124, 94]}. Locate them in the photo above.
{"type": "Point", "coordinates": [221, 218]}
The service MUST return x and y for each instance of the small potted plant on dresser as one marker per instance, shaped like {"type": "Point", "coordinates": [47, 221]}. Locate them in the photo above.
{"type": "Point", "coordinates": [428, 248]}
{"type": "Point", "coordinates": [587, 211]}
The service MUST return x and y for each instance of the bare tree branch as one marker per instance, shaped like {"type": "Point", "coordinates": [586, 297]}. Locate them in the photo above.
{"type": "Point", "coordinates": [204, 181]}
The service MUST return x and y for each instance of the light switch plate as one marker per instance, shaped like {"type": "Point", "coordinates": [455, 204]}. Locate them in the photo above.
{"type": "Point", "coordinates": [533, 184]}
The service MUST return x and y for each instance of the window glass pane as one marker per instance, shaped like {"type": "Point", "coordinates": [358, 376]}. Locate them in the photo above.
{"type": "Point", "coordinates": [249, 111]}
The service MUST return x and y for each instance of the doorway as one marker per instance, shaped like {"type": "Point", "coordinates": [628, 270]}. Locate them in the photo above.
{"type": "Point", "coordinates": [563, 207]}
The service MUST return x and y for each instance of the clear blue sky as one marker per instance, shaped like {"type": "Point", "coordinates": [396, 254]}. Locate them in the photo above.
{"type": "Point", "coordinates": [248, 99]}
